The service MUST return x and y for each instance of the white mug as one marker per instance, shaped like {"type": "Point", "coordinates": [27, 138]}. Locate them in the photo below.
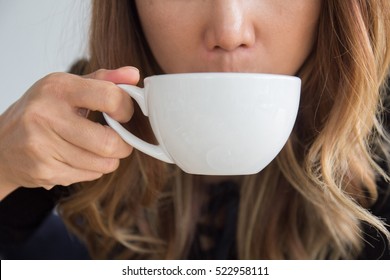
{"type": "Point", "coordinates": [215, 123]}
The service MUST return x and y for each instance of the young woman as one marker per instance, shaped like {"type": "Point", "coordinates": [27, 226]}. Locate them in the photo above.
{"type": "Point", "coordinates": [324, 195]}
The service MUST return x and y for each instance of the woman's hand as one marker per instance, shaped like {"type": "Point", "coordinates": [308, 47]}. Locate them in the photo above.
{"type": "Point", "coordinates": [46, 140]}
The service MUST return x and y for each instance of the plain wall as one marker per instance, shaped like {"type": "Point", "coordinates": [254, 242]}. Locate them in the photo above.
{"type": "Point", "coordinates": [38, 37]}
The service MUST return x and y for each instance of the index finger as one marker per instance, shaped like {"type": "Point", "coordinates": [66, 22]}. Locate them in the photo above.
{"type": "Point", "coordinates": [103, 96]}
{"type": "Point", "coordinates": [124, 75]}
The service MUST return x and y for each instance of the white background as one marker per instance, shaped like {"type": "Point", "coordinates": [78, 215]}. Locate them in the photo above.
{"type": "Point", "coordinates": [38, 37]}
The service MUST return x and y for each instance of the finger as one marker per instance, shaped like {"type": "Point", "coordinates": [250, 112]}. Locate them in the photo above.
{"type": "Point", "coordinates": [124, 75]}
{"type": "Point", "coordinates": [101, 96]}
{"type": "Point", "coordinates": [49, 170]}
{"type": "Point", "coordinates": [67, 175]}
{"type": "Point", "coordinates": [79, 158]}
{"type": "Point", "coordinates": [93, 137]}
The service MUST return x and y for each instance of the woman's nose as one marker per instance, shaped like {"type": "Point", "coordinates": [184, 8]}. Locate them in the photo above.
{"type": "Point", "coordinates": [229, 26]}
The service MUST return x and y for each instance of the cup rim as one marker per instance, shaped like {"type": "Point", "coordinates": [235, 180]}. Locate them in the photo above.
{"type": "Point", "coordinates": [212, 75]}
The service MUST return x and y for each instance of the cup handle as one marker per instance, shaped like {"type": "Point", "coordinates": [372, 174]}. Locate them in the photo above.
{"type": "Point", "coordinates": [155, 151]}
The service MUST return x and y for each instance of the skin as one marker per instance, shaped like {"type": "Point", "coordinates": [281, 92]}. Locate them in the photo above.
{"type": "Point", "coordinates": [45, 139]}
{"type": "Point", "coordinates": [261, 36]}
{"type": "Point", "coordinates": [265, 36]}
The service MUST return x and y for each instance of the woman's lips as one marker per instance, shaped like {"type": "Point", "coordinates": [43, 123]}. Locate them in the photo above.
{"type": "Point", "coordinates": [236, 61]}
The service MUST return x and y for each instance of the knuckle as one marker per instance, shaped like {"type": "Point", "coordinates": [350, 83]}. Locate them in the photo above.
{"type": "Point", "coordinates": [110, 143]}
{"type": "Point", "coordinates": [31, 114]}
{"type": "Point", "coordinates": [52, 82]}
{"type": "Point", "coordinates": [54, 85]}
{"type": "Point", "coordinates": [99, 74]}
{"type": "Point", "coordinates": [40, 171]}
{"type": "Point", "coordinates": [44, 175]}
{"type": "Point", "coordinates": [54, 77]}
{"type": "Point", "coordinates": [111, 98]}
{"type": "Point", "coordinates": [110, 165]}
{"type": "Point", "coordinates": [96, 75]}
{"type": "Point", "coordinates": [33, 149]}
{"type": "Point", "coordinates": [34, 119]}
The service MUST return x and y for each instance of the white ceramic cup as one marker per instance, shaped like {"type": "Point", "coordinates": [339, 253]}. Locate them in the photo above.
{"type": "Point", "coordinates": [215, 123]}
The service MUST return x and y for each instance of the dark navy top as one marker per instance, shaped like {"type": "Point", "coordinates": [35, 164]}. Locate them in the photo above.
{"type": "Point", "coordinates": [29, 229]}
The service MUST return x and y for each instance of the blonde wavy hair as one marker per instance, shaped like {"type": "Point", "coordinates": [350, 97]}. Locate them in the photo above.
{"type": "Point", "coordinates": [310, 203]}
